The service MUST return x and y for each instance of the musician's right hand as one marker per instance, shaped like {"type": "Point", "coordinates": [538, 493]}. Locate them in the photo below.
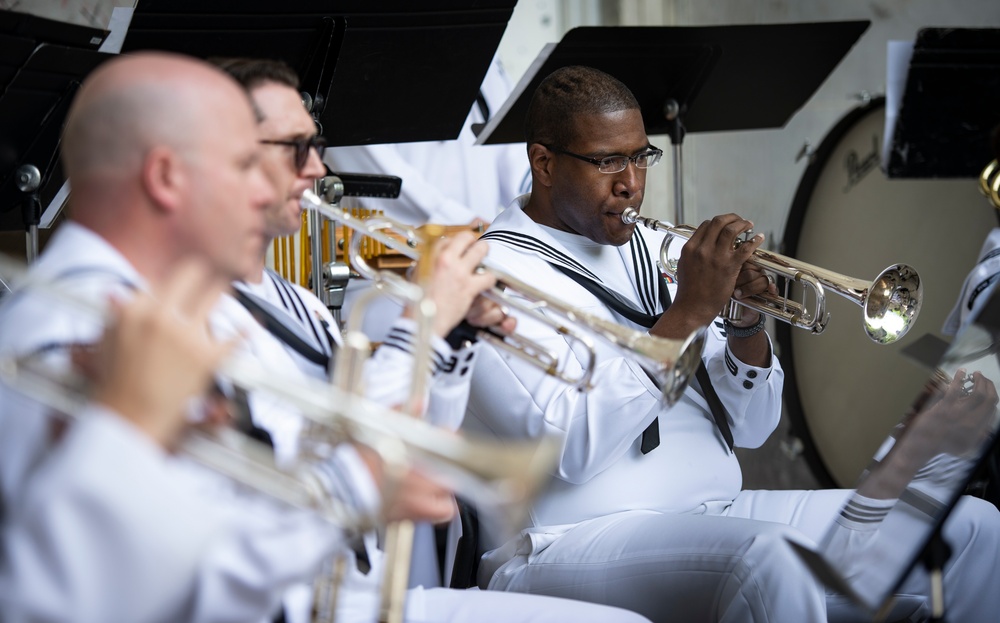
{"type": "Point", "coordinates": [955, 421]}
{"type": "Point", "coordinates": [408, 494]}
{"type": "Point", "coordinates": [455, 282]}
{"type": "Point", "coordinates": [707, 270]}
{"type": "Point", "coordinates": [157, 353]}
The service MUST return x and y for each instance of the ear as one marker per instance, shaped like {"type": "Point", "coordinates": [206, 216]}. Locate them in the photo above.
{"type": "Point", "coordinates": [165, 179]}
{"type": "Point", "coordinates": [540, 159]}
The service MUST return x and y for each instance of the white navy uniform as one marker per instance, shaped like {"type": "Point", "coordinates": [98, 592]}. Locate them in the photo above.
{"type": "Point", "coordinates": [387, 381]}
{"type": "Point", "coordinates": [100, 524]}
{"type": "Point", "coordinates": [670, 533]}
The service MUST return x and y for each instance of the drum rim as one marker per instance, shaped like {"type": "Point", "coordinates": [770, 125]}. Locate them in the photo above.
{"type": "Point", "coordinates": [790, 241]}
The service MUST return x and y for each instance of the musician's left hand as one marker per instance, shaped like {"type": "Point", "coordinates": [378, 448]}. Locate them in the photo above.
{"type": "Point", "coordinates": [488, 314]}
{"type": "Point", "coordinates": [751, 281]}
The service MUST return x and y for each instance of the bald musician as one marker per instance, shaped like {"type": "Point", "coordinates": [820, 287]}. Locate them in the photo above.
{"type": "Point", "coordinates": [163, 156]}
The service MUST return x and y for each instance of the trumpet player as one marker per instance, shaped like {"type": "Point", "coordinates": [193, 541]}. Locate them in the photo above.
{"type": "Point", "coordinates": [647, 501]}
{"type": "Point", "coordinates": [162, 155]}
{"type": "Point", "coordinates": [292, 160]}
{"type": "Point", "coordinates": [101, 521]}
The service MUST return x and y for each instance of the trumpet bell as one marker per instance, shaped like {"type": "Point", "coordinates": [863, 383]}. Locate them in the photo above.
{"type": "Point", "coordinates": [892, 303]}
{"type": "Point", "coordinates": [673, 363]}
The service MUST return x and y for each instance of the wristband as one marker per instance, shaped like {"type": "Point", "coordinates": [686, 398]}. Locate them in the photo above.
{"type": "Point", "coordinates": [750, 331]}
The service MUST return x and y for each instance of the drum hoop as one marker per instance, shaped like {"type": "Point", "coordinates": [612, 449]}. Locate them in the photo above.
{"type": "Point", "coordinates": [783, 331]}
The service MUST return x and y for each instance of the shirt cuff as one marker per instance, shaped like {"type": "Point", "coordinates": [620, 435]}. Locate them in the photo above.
{"type": "Point", "coordinates": [444, 360]}
{"type": "Point", "coordinates": [746, 375]}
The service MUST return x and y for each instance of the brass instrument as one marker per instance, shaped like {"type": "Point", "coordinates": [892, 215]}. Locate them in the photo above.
{"type": "Point", "coordinates": [500, 478]}
{"type": "Point", "coordinates": [890, 303]}
{"type": "Point", "coordinates": [671, 362]}
{"type": "Point", "coordinates": [989, 183]}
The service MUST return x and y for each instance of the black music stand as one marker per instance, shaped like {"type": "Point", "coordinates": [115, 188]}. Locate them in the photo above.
{"type": "Point", "coordinates": [42, 64]}
{"type": "Point", "coordinates": [388, 72]}
{"type": "Point", "coordinates": [392, 72]}
{"type": "Point", "coordinates": [694, 78]}
{"type": "Point", "coordinates": [949, 106]}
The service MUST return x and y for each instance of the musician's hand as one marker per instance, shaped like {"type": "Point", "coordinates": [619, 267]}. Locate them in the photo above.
{"type": "Point", "coordinates": [707, 273]}
{"type": "Point", "coordinates": [407, 494]}
{"type": "Point", "coordinates": [419, 499]}
{"type": "Point", "coordinates": [955, 421]}
{"type": "Point", "coordinates": [751, 282]}
{"type": "Point", "coordinates": [490, 315]}
{"type": "Point", "coordinates": [455, 282]}
{"type": "Point", "coordinates": [157, 353]}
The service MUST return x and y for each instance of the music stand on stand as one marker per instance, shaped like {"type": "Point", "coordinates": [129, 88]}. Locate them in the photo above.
{"type": "Point", "coordinates": [949, 106]}
{"type": "Point", "coordinates": [694, 78]}
{"type": "Point", "coordinates": [42, 64]}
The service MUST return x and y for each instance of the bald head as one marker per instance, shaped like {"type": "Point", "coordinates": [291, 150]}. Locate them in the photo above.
{"type": "Point", "coordinates": [134, 103]}
{"type": "Point", "coordinates": [163, 158]}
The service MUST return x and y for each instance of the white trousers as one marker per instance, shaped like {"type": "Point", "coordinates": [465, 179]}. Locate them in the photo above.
{"type": "Point", "coordinates": [737, 566]}
{"type": "Point", "coordinates": [444, 605]}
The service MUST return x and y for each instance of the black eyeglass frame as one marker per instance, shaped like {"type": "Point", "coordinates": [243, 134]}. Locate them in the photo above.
{"type": "Point", "coordinates": [302, 147]}
{"type": "Point", "coordinates": [651, 152]}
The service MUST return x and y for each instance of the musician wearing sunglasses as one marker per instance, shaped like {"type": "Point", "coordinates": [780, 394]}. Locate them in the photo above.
{"type": "Point", "coordinates": [646, 511]}
{"type": "Point", "coordinates": [292, 160]}
{"type": "Point", "coordinates": [108, 524]}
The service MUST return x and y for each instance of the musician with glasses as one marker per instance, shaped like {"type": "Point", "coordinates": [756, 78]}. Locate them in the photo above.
{"type": "Point", "coordinates": [103, 521]}
{"type": "Point", "coordinates": [293, 164]}
{"type": "Point", "coordinates": [646, 511]}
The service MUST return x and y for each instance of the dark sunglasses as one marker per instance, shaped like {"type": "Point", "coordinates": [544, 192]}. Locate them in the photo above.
{"type": "Point", "coordinates": [302, 147]}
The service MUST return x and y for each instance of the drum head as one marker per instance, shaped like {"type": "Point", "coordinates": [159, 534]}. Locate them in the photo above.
{"type": "Point", "coordinates": [843, 392]}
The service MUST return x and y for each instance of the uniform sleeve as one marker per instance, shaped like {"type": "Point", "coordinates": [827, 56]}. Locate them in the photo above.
{"type": "Point", "coordinates": [112, 529]}
{"type": "Point", "coordinates": [389, 374]}
{"type": "Point", "coordinates": [752, 395]}
{"type": "Point", "coordinates": [513, 398]}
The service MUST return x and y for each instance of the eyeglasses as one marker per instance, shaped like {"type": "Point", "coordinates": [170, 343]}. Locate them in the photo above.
{"type": "Point", "coordinates": [616, 164]}
{"type": "Point", "coordinates": [302, 147]}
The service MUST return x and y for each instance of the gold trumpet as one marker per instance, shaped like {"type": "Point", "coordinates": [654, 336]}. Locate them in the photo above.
{"type": "Point", "coordinates": [989, 183]}
{"type": "Point", "coordinates": [672, 363]}
{"type": "Point", "coordinates": [890, 303]}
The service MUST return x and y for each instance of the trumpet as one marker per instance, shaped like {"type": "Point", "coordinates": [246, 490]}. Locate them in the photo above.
{"type": "Point", "coordinates": [672, 363]}
{"type": "Point", "coordinates": [890, 303]}
{"type": "Point", "coordinates": [502, 479]}
{"type": "Point", "coordinates": [989, 183]}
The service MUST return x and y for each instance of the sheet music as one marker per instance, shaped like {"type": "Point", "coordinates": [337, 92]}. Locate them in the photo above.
{"type": "Point", "coordinates": [898, 56]}
{"type": "Point", "coordinates": [121, 17]}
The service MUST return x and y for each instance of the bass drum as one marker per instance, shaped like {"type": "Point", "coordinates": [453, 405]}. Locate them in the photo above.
{"type": "Point", "coordinates": [843, 392]}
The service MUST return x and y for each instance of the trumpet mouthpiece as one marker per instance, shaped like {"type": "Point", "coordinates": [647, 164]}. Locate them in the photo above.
{"type": "Point", "coordinates": [630, 215]}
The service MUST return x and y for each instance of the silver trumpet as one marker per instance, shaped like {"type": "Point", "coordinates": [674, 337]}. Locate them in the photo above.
{"type": "Point", "coordinates": [890, 303]}
{"type": "Point", "coordinates": [671, 362]}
